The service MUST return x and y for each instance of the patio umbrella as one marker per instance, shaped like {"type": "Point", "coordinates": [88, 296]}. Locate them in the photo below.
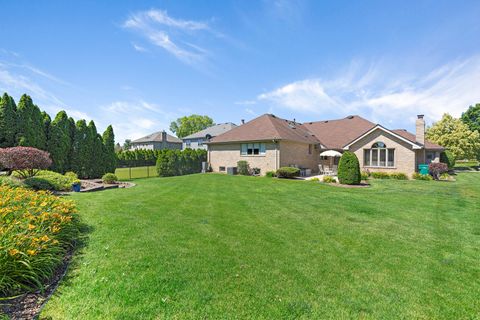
{"type": "Point", "coordinates": [330, 153]}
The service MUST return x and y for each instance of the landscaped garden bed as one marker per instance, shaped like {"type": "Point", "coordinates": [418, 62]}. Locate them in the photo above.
{"type": "Point", "coordinates": [37, 235]}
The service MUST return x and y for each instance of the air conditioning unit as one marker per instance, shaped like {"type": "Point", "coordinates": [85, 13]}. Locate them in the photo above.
{"type": "Point", "coordinates": [232, 170]}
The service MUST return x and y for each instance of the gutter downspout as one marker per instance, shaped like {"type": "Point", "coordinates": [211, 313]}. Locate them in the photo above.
{"type": "Point", "coordinates": [276, 154]}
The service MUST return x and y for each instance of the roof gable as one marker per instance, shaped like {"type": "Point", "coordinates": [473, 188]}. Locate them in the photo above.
{"type": "Point", "coordinates": [379, 127]}
{"type": "Point", "coordinates": [267, 127]}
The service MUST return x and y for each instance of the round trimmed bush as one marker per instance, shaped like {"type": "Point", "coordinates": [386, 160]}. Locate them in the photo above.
{"type": "Point", "coordinates": [109, 178]}
{"type": "Point", "coordinates": [288, 172]}
{"type": "Point", "coordinates": [349, 169]}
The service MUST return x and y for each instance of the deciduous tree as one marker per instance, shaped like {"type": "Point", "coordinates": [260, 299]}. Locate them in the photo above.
{"type": "Point", "coordinates": [456, 136]}
{"type": "Point", "coordinates": [187, 125]}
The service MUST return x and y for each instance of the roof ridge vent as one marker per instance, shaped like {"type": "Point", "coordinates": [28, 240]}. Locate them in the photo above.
{"type": "Point", "coordinates": [350, 117]}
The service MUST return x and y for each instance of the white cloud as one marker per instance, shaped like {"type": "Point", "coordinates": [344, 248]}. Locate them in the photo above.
{"type": "Point", "coordinates": [139, 48]}
{"type": "Point", "coordinates": [157, 27]}
{"type": "Point", "coordinates": [135, 119]}
{"type": "Point", "coordinates": [382, 95]}
{"type": "Point", "coordinates": [251, 112]}
{"type": "Point", "coordinates": [17, 84]}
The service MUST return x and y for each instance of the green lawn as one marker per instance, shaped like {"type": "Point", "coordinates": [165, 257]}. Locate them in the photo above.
{"type": "Point", "coordinates": [135, 173]}
{"type": "Point", "coordinates": [232, 247]}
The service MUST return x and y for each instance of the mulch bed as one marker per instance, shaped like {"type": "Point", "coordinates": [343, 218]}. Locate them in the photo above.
{"type": "Point", "coordinates": [29, 305]}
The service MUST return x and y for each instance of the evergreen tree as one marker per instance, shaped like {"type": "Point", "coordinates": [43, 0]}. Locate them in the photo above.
{"type": "Point", "coordinates": [30, 124]}
{"type": "Point", "coordinates": [81, 150]}
{"type": "Point", "coordinates": [109, 150]}
{"type": "Point", "coordinates": [95, 152]}
{"type": "Point", "coordinates": [8, 121]}
{"type": "Point", "coordinates": [72, 130]}
{"type": "Point", "coordinates": [47, 121]}
{"type": "Point", "coordinates": [60, 142]}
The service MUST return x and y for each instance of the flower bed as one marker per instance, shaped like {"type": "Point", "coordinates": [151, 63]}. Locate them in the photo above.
{"type": "Point", "coordinates": [36, 231]}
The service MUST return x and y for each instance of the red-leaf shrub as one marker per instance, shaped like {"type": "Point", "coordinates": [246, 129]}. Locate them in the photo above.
{"type": "Point", "coordinates": [436, 169]}
{"type": "Point", "coordinates": [26, 161]}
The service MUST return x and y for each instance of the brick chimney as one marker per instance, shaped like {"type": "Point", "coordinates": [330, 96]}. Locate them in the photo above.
{"type": "Point", "coordinates": [420, 129]}
{"type": "Point", "coordinates": [164, 136]}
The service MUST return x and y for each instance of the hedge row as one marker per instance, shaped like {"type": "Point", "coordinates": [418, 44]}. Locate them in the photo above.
{"type": "Point", "coordinates": [177, 163]}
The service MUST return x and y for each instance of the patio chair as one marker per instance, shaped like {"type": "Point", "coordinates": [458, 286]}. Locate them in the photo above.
{"type": "Point", "coordinates": [320, 169]}
{"type": "Point", "coordinates": [335, 169]}
{"type": "Point", "coordinates": [327, 171]}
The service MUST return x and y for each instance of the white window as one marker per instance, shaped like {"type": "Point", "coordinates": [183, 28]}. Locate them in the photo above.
{"type": "Point", "coordinates": [379, 156]}
{"type": "Point", "coordinates": [200, 142]}
{"type": "Point", "coordinates": [251, 149]}
{"type": "Point", "coordinates": [188, 143]}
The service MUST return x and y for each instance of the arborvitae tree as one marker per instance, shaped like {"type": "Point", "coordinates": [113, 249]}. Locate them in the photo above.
{"type": "Point", "coordinates": [8, 121]}
{"type": "Point", "coordinates": [72, 129]}
{"type": "Point", "coordinates": [30, 124]}
{"type": "Point", "coordinates": [40, 120]}
{"type": "Point", "coordinates": [60, 142]}
{"type": "Point", "coordinates": [81, 152]}
{"type": "Point", "coordinates": [109, 150]}
{"type": "Point", "coordinates": [47, 121]}
{"type": "Point", "coordinates": [96, 153]}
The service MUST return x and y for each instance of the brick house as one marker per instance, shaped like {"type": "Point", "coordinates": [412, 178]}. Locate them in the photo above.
{"type": "Point", "coordinates": [269, 142]}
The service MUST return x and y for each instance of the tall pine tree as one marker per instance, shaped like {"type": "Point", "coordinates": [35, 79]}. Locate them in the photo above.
{"type": "Point", "coordinates": [8, 121]}
{"type": "Point", "coordinates": [60, 142]}
{"type": "Point", "coordinates": [109, 150]}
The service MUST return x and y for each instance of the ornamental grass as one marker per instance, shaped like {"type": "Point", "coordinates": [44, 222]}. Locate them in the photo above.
{"type": "Point", "coordinates": [36, 231]}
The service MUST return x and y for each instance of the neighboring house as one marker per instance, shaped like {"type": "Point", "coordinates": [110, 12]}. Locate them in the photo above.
{"type": "Point", "coordinates": [269, 142]}
{"type": "Point", "coordinates": [157, 141]}
{"type": "Point", "coordinates": [198, 139]}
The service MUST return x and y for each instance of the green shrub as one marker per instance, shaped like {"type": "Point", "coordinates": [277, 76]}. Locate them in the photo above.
{"type": "Point", "coordinates": [243, 168]}
{"type": "Point", "coordinates": [288, 172]}
{"type": "Point", "coordinates": [399, 176]}
{"type": "Point", "coordinates": [380, 175]}
{"type": "Point", "coordinates": [418, 176]}
{"type": "Point", "coordinates": [109, 178]}
{"type": "Point", "coordinates": [71, 175]}
{"type": "Point", "coordinates": [315, 179]}
{"type": "Point", "coordinates": [270, 174]}
{"type": "Point", "coordinates": [364, 175]}
{"type": "Point", "coordinates": [448, 158]}
{"type": "Point", "coordinates": [329, 179]}
{"type": "Point", "coordinates": [175, 162]}
{"type": "Point", "coordinates": [11, 182]}
{"type": "Point", "coordinates": [38, 183]}
{"type": "Point", "coordinates": [349, 169]}
{"type": "Point", "coordinates": [58, 181]}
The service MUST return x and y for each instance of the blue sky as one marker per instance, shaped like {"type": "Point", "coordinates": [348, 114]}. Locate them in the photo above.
{"type": "Point", "coordinates": [141, 64]}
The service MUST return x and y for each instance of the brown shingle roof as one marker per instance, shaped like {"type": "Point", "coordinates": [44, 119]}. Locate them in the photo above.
{"type": "Point", "coordinates": [411, 137]}
{"type": "Point", "coordinates": [267, 127]}
{"type": "Point", "coordinates": [335, 134]}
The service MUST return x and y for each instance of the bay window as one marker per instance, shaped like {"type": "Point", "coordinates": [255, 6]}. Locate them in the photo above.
{"type": "Point", "coordinates": [379, 156]}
